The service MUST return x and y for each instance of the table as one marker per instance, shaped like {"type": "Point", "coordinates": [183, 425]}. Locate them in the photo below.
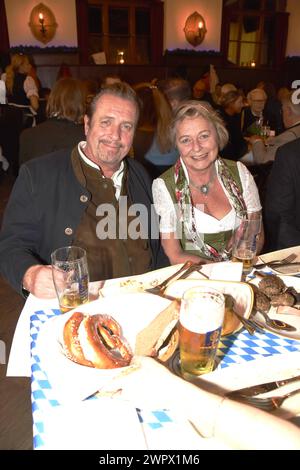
{"type": "Point", "coordinates": [235, 349]}
{"type": "Point", "coordinates": [235, 352]}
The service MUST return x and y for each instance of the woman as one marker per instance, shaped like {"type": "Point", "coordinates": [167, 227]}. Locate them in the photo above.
{"type": "Point", "coordinates": [151, 144]}
{"type": "Point", "coordinates": [63, 128]}
{"type": "Point", "coordinates": [21, 89]}
{"type": "Point", "coordinates": [202, 192]}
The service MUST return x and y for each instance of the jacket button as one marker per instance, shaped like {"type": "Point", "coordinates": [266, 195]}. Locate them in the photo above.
{"type": "Point", "coordinates": [83, 198]}
{"type": "Point", "coordinates": [105, 185]}
{"type": "Point", "coordinates": [68, 231]}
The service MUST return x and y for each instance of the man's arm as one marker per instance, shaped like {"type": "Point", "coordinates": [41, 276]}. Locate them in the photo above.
{"type": "Point", "coordinates": [21, 231]}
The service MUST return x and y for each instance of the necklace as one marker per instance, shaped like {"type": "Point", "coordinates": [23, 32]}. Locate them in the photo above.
{"type": "Point", "coordinates": [203, 188]}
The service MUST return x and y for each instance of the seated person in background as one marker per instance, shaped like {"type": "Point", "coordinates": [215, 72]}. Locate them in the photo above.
{"type": "Point", "coordinates": [63, 129]}
{"type": "Point", "coordinates": [291, 118]}
{"type": "Point", "coordinates": [232, 104]}
{"type": "Point", "coordinates": [200, 93]}
{"type": "Point", "coordinates": [86, 197]}
{"type": "Point", "coordinates": [176, 90]}
{"type": "Point", "coordinates": [254, 112]}
{"type": "Point", "coordinates": [272, 110]}
{"type": "Point", "coordinates": [282, 204]}
{"type": "Point", "coordinates": [207, 190]}
{"type": "Point", "coordinates": [21, 89]}
{"type": "Point", "coordinates": [151, 144]}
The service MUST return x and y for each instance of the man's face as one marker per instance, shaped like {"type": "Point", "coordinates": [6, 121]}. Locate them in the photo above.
{"type": "Point", "coordinates": [110, 132]}
{"type": "Point", "coordinates": [257, 102]}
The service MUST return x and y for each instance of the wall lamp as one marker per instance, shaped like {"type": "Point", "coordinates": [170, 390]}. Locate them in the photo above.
{"type": "Point", "coordinates": [42, 23]}
{"type": "Point", "coordinates": [195, 29]}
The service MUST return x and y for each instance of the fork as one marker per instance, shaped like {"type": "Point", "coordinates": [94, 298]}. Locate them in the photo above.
{"type": "Point", "coordinates": [160, 288]}
{"type": "Point", "coordinates": [267, 403]}
{"type": "Point", "coordinates": [288, 259]}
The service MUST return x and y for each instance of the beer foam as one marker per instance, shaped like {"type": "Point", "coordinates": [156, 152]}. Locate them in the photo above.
{"type": "Point", "coordinates": [208, 317]}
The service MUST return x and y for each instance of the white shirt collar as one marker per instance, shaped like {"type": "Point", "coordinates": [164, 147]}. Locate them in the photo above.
{"type": "Point", "coordinates": [117, 177]}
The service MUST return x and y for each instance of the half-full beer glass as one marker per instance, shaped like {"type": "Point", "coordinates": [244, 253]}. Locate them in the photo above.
{"type": "Point", "coordinates": [70, 276]}
{"type": "Point", "coordinates": [247, 229]}
{"type": "Point", "coordinates": [200, 326]}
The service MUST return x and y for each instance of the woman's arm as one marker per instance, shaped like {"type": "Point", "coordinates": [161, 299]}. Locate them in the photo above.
{"type": "Point", "coordinates": [175, 253]}
{"type": "Point", "coordinates": [32, 93]}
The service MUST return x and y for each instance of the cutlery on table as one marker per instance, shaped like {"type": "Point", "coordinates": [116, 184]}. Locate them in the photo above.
{"type": "Point", "coordinates": [160, 288]}
{"type": "Point", "coordinates": [276, 324]}
{"type": "Point", "coordinates": [277, 262]}
{"type": "Point", "coordinates": [261, 388]}
{"type": "Point", "coordinates": [250, 325]}
{"type": "Point", "coordinates": [268, 403]}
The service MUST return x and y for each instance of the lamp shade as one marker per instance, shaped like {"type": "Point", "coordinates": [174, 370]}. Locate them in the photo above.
{"type": "Point", "coordinates": [42, 23]}
{"type": "Point", "coordinates": [195, 29]}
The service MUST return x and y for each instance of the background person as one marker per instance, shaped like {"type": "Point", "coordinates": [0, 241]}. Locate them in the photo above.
{"type": "Point", "coordinates": [21, 88]}
{"type": "Point", "coordinates": [206, 189]}
{"type": "Point", "coordinates": [63, 128]}
{"type": "Point", "coordinates": [282, 204]}
{"type": "Point", "coordinates": [56, 201]}
{"type": "Point", "coordinates": [291, 118]}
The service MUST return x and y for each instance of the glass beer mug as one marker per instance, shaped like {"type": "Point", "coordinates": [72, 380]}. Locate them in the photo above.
{"type": "Point", "coordinates": [200, 325]}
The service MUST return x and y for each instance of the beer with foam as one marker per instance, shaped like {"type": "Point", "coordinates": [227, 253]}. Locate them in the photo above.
{"type": "Point", "coordinates": [200, 326]}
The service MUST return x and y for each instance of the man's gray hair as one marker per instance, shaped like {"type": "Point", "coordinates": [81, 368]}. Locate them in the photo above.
{"type": "Point", "coordinates": [192, 109]}
{"type": "Point", "coordinates": [119, 89]}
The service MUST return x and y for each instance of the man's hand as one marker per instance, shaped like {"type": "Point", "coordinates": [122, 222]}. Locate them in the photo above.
{"type": "Point", "coordinates": [38, 281]}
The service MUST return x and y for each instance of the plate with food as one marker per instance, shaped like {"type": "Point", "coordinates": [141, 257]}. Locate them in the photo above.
{"type": "Point", "coordinates": [278, 297]}
{"type": "Point", "coordinates": [81, 350]}
{"type": "Point", "coordinates": [289, 257]}
{"type": "Point", "coordinates": [238, 296]}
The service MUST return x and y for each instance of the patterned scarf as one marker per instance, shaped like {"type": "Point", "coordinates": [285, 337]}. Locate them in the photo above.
{"type": "Point", "coordinates": [186, 207]}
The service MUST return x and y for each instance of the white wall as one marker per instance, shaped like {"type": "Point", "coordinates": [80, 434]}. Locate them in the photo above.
{"type": "Point", "coordinates": [176, 13]}
{"type": "Point", "coordinates": [293, 41]}
{"type": "Point", "coordinates": [18, 15]}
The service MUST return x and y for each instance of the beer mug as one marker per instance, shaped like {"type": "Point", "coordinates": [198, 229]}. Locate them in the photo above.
{"type": "Point", "coordinates": [70, 277]}
{"type": "Point", "coordinates": [200, 325]}
{"type": "Point", "coordinates": [246, 232]}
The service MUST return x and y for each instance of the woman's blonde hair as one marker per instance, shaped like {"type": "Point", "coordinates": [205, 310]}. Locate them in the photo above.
{"type": "Point", "coordinates": [67, 100]}
{"type": "Point", "coordinates": [192, 109]}
{"type": "Point", "coordinates": [156, 113]}
{"type": "Point", "coordinates": [17, 61]}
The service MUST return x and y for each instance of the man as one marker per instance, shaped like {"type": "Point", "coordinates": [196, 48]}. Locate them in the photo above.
{"type": "Point", "coordinates": [176, 90]}
{"type": "Point", "coordinates": [282, 205]}
{"type": "Point", "coordinates": [257, 99]}
{"type": "Point", "coordinates": [291, 119]}
{"type": "Point", "coordinates": [88, 198]}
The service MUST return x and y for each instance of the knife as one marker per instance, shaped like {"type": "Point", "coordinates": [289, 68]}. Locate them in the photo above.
{"type": "Point", "coordinates": [261, 388]}
{"type": "Point", "coordinates": [277, 265]}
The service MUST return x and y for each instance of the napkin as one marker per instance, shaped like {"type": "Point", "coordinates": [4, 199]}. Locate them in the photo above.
{"type": "Point", "coordinates": [93, 424]}
{"type": "Point", "coordinates": [226, 271]}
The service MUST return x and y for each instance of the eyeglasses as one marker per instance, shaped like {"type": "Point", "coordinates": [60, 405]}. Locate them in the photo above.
{"type": "Point", "coordinates": [258, 101]}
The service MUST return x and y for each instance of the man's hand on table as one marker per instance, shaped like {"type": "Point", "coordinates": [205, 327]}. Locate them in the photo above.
{"type": "Point", "coordinates": [39, 282]}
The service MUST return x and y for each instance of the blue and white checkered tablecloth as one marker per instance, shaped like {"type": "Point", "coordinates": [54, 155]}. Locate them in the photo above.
{"type": "Point", "coordinates": [234, 349]}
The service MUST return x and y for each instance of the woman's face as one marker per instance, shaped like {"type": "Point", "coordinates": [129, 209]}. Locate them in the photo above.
{"type": "Point", "coordinates": [196, 139]}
